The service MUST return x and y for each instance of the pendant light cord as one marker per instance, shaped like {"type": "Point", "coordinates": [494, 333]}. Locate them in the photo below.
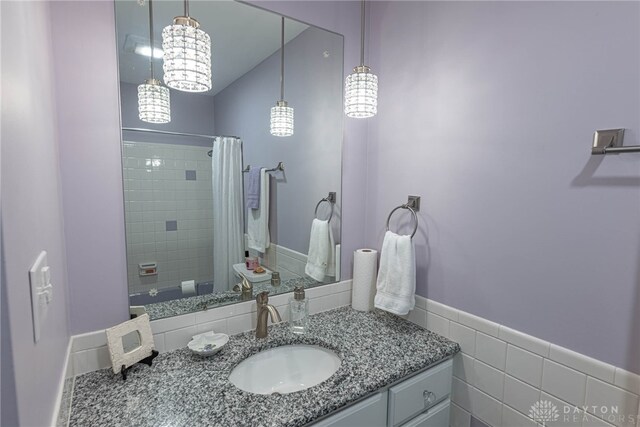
{"type": "Point", "coordinates": [186, 8]}
{"type": "Point", "coordinates": [282, 61]}
{"type": "Point", "coordinates": [151, 44]}
{"type": "Point", "coordinates": [362, 33]}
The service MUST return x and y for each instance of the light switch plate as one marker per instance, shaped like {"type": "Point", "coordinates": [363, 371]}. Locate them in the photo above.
{"type": "Point", "coordinates": [41, 292]}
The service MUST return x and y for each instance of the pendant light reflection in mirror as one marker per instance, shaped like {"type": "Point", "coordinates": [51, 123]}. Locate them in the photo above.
{"type": "Point", "coordinates": [187, 54]}
{"type": "Point", "coordinates": [282, 114]}
{"type": "Point", "coordinates": [361, 86]}
{"type": "Point", "coordinates": [153, 98]}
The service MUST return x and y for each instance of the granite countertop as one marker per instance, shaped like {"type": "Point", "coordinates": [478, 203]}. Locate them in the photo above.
{"type": "Point", "coordinates": [182, 389]}
{"type": "Point", "coordinates": [176, 307]}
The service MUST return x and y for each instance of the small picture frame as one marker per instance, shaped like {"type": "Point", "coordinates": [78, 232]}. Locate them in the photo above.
{"type": "Point", "coordinates": [129, 343]}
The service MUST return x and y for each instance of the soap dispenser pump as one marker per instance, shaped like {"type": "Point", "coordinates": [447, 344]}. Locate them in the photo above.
{"type": "Point", "coordinates": [298, 311]}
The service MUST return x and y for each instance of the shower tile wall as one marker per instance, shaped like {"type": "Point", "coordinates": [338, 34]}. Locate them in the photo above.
{"type": "Point", "coordinates": [168, 213]}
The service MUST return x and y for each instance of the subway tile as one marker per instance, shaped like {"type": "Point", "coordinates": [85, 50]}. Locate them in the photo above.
{"type": "Point", "coordinates": [158, 342]}
{"type": "Point", "coordinates": [582, 363]}
{"type": "Point", "coordinates": [460, 394]}
{"type": "Point", "coordinates": [567, 415]}
{"type": "Point", "coordinates": [442, 310]}
{"type": "Point", "coordinates": [459, 417]}
{"type": "Point", "coordinates": [463, 367]}
{"type": "Point", "coordinates": [591, 421]}
{"type": "Point", "coordinates": [238, 324]}
{"type": "Point", "coordinates": [438, 324]}
{"type": "Point", "coordinates": [528, 342]}
{"type": "Point", "coordinates": [418, 316]}
{"type": "Point", "coordinates": [171, 323]}
{"type": "Point", "coordinates": [563, 382]}
{"type": "Point", "coordinates": [88, 340]}
{"type": "Point", "coordinates": [464, 336]}
{"type": "Point", "coordinates": [178, 338]}
{"type": "Point", "coordinates": [485, 407]}
{"type": "Point", "coordinates": [488, 379]}
{"type": "Point", "coordinates": [478, 323]}
{"type": "Point", "coordinates": [602, 398]}
{"type": "Point", "coordinates": [98, 358]}
{"type": "Point", "coordinates": [519, 395]}
{"type": "Point", "coordinates": [524, 365]}
{"type": "Point", "coordinates": [491, 350]}
{"type": "Point", "coordinates": [627, 380]}
{"type": "Point", "coordinates": [513, 418]}
{"type": "Point", "coordinates": [217, 326]}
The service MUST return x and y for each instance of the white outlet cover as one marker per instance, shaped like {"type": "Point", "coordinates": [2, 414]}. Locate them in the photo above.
{"type": "Point", "coordinates": [39, 305]}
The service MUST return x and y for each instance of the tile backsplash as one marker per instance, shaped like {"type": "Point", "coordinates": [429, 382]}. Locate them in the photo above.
{"type": "Point", "coordinates": [168, 213]}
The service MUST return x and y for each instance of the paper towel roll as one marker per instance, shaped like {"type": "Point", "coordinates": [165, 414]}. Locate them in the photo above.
{"type": "Point", "coordinates": [188, 288]}
{"type": "Point", "coordinates": [365, 269]}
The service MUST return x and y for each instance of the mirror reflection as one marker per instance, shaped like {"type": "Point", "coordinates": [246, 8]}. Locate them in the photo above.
{"type": "Point", "coordinates": [217, 207]}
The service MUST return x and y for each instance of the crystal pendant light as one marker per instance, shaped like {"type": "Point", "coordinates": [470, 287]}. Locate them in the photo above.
{"type": "Point", "coordinates": [153, 98]}
{"type": "Point", "coordinates": [282, 114]}
{"type": "Point", "coordinates": [187, 54]}
{"type": "Point", "coordinates": [361, 86]}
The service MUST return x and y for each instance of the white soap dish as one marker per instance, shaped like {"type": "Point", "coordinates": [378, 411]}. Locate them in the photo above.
{"type": "Point", "coordinates": [208, 343]}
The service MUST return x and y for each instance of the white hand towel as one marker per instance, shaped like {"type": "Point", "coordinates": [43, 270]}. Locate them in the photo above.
{"type": "Point", "coordinates": [321, 256]}
{"type": "Point", "coordinates": [396, 284]}
{"type": "Point", "coordinates": [258, 219]}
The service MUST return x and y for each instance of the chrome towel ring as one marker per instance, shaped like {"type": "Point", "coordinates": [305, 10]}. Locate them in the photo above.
{"type": "Point", "coordinates": [413, 205]}
{"type": "Point", "coordinates": [331, 199]}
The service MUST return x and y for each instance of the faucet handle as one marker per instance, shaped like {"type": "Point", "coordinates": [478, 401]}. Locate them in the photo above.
{"type": "Point", "coordinates": [262, 298]}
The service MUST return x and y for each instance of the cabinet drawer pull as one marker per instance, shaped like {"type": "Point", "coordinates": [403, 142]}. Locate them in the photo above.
{"type": "Point", "coordinates": [429, 397]}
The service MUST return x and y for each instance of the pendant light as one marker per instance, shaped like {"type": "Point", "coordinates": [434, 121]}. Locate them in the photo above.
{"type": "Point", "coordinates": [187, 54]}
{"type": "Point", "coordinates": [153, 98]}
{"type": "Point", "coordinates": [282, 114]}
{"type": "Point", "coordinates": [361, 86]}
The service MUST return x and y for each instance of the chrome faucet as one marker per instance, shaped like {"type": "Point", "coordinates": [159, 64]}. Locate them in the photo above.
{"type": "Point", "coordinates": [264, 309]}
{"type": "Point", "coordinates": [245, 287]}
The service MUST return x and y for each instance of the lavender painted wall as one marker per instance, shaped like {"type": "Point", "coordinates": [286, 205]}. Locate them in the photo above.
{"type": "Point", "coordinates": [190, 113]}
{"type": "Point", "coordinates": [90, 162]}
{"type": "Point", "coordinates": [32, 218]}
{"type": "Point", "coordinates": [312, 155]}
{"type": "Point", "coordinates": [490, 108]}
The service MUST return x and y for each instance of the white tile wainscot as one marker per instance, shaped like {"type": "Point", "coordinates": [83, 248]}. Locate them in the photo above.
{"type": "Point", "coordinates": [89, 351]}
{"type": "Point", "coordinates": [501, 373]}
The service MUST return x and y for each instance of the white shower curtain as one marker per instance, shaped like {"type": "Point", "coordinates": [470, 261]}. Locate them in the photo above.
{"type": "Point", "coordinates": [226, 169]}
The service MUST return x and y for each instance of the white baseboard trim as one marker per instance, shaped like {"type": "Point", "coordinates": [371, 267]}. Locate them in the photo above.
{"type": "Point", "coordinates": [501, 373]}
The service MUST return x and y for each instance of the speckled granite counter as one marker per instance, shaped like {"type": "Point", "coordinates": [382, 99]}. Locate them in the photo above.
{"type": "Point", "coordinates": [160, 310]}
{"type": "Point", "coordinates": [182, 389]}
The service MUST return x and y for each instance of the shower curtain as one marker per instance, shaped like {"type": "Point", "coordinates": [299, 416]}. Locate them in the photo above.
{"type": "Point", "coordinates": [228, 221]}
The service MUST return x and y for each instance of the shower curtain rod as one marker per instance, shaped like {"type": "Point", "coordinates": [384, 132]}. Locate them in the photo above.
{"type": "Point", "coordinates": [166, 132]}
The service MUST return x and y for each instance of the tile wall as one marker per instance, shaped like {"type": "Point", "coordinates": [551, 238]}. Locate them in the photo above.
{"type": "Point", "coordinates": [501, 373]}
{"type": "Point", "coordinates": [168, 213]}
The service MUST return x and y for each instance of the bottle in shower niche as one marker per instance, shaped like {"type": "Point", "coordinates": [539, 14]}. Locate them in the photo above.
{"type": "Point", "coordinates": [298, 311]}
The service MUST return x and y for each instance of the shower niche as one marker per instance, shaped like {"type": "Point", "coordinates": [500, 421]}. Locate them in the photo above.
{"type": "Point", "coordinates": [186, 182]}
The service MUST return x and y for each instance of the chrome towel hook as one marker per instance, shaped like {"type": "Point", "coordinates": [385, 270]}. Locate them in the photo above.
{"type": "Point", "coordinates": [413, 205]}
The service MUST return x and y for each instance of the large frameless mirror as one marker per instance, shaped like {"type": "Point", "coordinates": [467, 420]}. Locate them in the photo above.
{"type": "Point", "coordinates": [214, 182]}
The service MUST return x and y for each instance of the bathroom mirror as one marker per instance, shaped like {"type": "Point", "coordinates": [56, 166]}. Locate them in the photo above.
{"type": "Point", "coordinates": [186, 214]}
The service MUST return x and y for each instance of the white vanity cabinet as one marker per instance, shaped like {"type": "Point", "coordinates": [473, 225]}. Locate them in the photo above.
{"type": "Point", "coordinates": [419, 401]}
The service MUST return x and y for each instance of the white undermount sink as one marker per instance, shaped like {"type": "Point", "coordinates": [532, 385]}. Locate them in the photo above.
{"type": "Point", "coordinates": [285, 369]}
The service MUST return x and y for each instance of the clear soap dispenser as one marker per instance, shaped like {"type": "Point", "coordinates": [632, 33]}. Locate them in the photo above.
{"type": "Point", "coordinates": [298, 311]}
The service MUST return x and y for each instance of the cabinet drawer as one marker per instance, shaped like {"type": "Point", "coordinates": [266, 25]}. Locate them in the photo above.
{"type": "Point", "coordinates": [438, 416]}
{"type": "Point", "coordinates": [419, 393]}
{"type": "Point", "coordinates": [371, 412]}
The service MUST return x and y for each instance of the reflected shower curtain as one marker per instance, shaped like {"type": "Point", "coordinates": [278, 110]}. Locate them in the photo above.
{"type": "Point", "coordinates": [226, 169]}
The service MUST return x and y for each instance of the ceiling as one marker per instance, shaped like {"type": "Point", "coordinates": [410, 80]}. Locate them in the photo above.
{"type": "Point", "coordinates": [242, 36]}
